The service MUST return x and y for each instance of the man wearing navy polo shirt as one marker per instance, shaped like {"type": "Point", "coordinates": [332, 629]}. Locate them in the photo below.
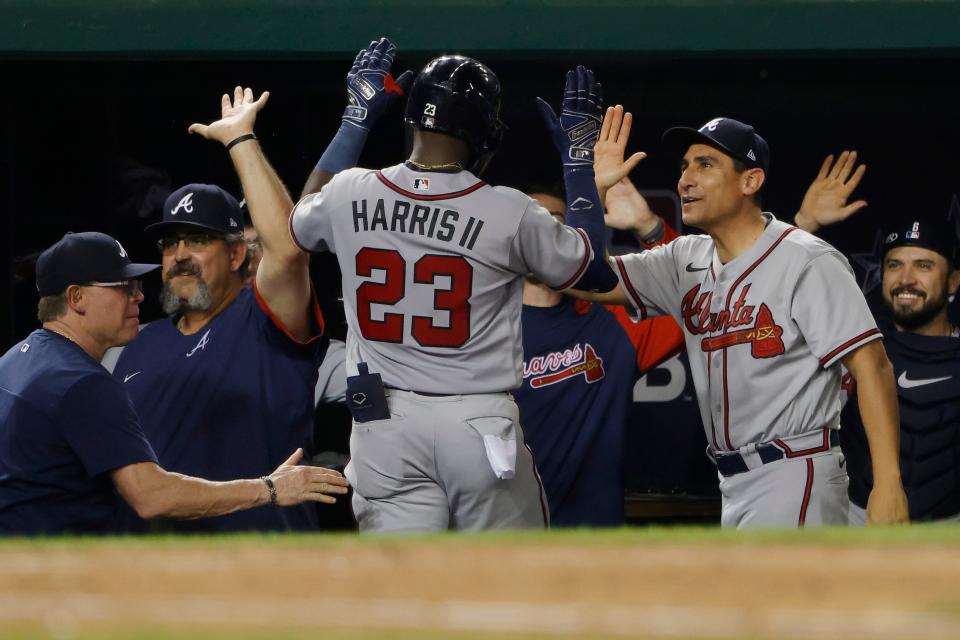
{"type": "Point", "coordinates": [68, 433]}
{"type": "Point", "coordinates": [224, 386]}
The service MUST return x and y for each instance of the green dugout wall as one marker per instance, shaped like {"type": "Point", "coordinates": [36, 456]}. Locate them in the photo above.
{"type": "Point", "coordinates": [224, 28]}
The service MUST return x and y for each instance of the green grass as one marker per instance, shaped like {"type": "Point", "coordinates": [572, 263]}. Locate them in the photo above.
{"type": "Point", "coordinates": [918, 534]}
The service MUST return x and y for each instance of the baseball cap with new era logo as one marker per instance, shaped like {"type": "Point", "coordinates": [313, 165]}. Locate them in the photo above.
{"type": "Point", "coordinates": [82, 258]}
{"type": "Point", "coordinates": [736, 139]}
{"type": "Point", "coordinates": [205, 206]}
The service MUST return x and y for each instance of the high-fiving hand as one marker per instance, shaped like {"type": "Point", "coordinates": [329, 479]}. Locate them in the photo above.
{"type": "Point", "coordinates": [237, 116]}
{"type": "Point", "coordinates": [826, 199]}
{"type": "Point", "coordinates": [575, 132]}
{"type": "Point", "coordinates": [371, 90]}
{"type": "Point", "coordinates": [609, 166]}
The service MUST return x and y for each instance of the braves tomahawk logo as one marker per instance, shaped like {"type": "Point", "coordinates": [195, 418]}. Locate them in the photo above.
{"type": "Point", "coordinates": [760, 331]}
{"type": "Point", "coordinates": [562, 365]}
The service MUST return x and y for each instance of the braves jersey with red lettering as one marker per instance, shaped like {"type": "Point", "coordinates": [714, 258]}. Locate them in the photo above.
{"type": "Point", "coordinates": [763, 332]}
{"type": "Point", "coordinates": [432, 265]}
{"type": "Point", "coordinates": [580, 364]}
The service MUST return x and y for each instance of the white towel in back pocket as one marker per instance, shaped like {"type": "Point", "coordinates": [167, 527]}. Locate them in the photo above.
{"type": "Point", "coordinates": [500, 442]}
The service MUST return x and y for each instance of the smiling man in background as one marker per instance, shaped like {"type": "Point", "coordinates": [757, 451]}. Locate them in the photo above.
{"type": "Point", "coordinates": [920, 277]}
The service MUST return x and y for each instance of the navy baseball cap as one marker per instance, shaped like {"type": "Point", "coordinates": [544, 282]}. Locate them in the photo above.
{"type": "Point", "coordinates": [736, 139]}
{"type": "Point", "coordinates": [205, 206]}
{"type": "Point", "coordinates": [80, 258]}
{"type": "Point", "coordinates": [935, 234]}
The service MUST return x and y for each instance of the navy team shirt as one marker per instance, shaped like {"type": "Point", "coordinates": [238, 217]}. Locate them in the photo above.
{"type": "Point", "coordinates": [65, 423]}
{"type": "Point", "coordinates": [230, 401]}
{"type": "Point", "coordinates": [578, 372]}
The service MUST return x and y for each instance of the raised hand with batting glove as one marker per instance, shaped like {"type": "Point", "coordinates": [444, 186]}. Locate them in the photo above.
{"type": "Point", "coordinates": [371, 90]}
{"type": "Point", "coordinates": [574, 134]}
{"type": "Point", "coordinates": [370, 87]}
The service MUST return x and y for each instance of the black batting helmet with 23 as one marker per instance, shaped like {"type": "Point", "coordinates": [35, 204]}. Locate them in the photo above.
{"type": "Point", "coordinates": [460, 97]}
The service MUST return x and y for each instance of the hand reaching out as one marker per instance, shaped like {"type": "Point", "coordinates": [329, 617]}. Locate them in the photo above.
{"type": "Point", "coordinates": [371, 89]}
{"type": "Point", "coordinates": [825, 202]}
{"type": "Point", "coordinates": [627, 209]}
{"type": "Point", "coordinates": [296, 483]}
{"type": "Point", "coordinates": [575, 131]}
{"type": "Point", "coordinates": [609, 165]}
{"type": "Point", "coordinates": [237, 116]}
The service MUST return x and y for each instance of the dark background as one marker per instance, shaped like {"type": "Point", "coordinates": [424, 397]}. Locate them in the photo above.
{"type": "Point", "coordinates": [99, 144]}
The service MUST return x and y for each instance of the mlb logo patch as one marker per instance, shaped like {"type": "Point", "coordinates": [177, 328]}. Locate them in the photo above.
{"type": "Point", "coordinates": [427, 121]}
{"type": "Point", "coordinates": [421, 184]}
{"type": "Point", "coordinates": [914, 234]}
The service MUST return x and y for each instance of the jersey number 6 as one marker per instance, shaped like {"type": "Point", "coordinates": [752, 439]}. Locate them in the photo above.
{"type": "Point", "coordinates": [454, 300]}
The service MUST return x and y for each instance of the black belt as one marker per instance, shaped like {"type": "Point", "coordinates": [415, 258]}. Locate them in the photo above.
{"type": "Point", "coordinates": [730, 464]}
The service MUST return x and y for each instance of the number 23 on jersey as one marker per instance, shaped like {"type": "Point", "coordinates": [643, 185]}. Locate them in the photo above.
{"type": "Point", "coordinates": [454, 300]}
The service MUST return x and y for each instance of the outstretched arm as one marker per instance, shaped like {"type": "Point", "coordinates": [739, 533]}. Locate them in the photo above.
{"type": "Point", "coordinates": [574, 134]}
{"type": "Point", "coordinates": [825, 202]}
{"type": "Point", "coordinates": [879, 411]}
{"type": "Point", "coordinates": [370, 92]}
{"type": "Point", "coordinates": [283, 279]}
{"type": "Point", "coordinates": [616, 296]}
{"type": "Point", "coordinates": [155, 493]}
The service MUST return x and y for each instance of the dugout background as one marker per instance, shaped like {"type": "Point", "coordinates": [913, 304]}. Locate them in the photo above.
{"type": "Point", "coordinates": [96, 99]}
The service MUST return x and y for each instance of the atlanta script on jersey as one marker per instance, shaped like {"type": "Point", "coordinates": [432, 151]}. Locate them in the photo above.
{"type": "Point", "coordinates": [762, 331]}
{"type": "Point", "coordinates": [432, 279]}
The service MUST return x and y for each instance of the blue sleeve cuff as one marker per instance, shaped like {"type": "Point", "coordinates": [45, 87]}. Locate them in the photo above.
{"type": "Point", "coordinates": [343, 152]}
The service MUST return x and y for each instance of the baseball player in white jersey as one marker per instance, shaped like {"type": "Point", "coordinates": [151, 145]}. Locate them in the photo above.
{"type": "Point", "coordinates": [768, 312]}
{"type": "Point", "coordinates": [433, 260]}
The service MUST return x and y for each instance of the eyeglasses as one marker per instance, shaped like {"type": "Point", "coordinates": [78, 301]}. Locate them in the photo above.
{"type": "Point", "coordinates": [132, 288]}
{"type": "Point", "coordinates": [192, 242]}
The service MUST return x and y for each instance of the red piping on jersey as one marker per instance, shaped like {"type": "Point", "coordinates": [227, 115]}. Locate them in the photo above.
{"type": "Point", "coordinates": [790, 453]}
{"type": "Point", "coordinates": [543, 493]}
{"type": "Point", "coordinates": [713, 427]}
{"type": "Point", "coordinates": [629, 285]}
{"type": "Point", "coordinates": [420, 196]}
{"type": "Point", "coordinates": [315, 306]}
{"type": "Point", "coordinates": [583, 265]}
{"type": "Point", "coordinates": [726, 307]}
{"type": "Point", "coordinates": [293, 236]}
{"type": "Point", "coordinates": [726, 405]}
{"type": "Point", "coordinates": [806, 494]}
{"type": "Point", "coordinates": [846, 345]}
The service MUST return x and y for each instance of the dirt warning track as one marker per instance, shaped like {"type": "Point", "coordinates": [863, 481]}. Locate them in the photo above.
{"type": "Point", "coordinates": [520, 588]}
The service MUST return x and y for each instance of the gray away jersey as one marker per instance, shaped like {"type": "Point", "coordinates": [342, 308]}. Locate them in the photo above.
{"type": "Point", "coordinates": [763, 332]}
{"type": "Point", "coordinates": [432, 268]}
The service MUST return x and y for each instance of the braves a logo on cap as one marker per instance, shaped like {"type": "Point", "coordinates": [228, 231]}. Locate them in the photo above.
{"type": "Point", "coordinates": [562, 365]}
{"type": "Point", "coordinates": [421, 184]}
{"type": "Point", "coordinates": [914, 233]}
{"type": "Point", "coordinates": [123, 254]}
{"type": "Point", "coordinates": [712, 125]}
{"type": "Point", "coordinates": [186, 203]}
{"type": "Point", "coordinates": [752, 155]}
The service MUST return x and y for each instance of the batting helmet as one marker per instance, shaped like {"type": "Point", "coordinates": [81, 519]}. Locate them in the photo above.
{"type": "Point", "coordinates": [459, 97]}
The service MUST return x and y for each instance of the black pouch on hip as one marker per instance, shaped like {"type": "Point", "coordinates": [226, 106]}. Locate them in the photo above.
{"type": "Point", "coordinates": [366, 397]}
